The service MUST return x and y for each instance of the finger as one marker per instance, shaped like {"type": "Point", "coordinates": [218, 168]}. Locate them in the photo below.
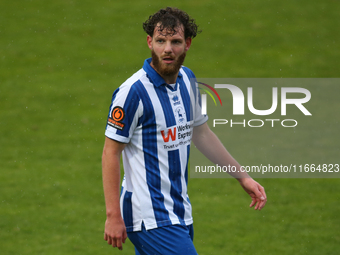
{"type": "Point", "coordinates": [109, 240]}
{"type": "Point", "coordinates": [263, 192]}
{"type": "Point", "coordinates": [256, 204]}
{"type": "Point", "coordinates": [263, 203]}
{"type": "Point", "coordinates": [119, 243]}
{"type": "Point", "coordinates": [253, 202]}
{"type": "Point", "coordinates": [260, 204]}
{"type": "Point", "coordinates": [114, 244]}
{"type": "Point", "coordinates": [124, 236]}
{"type": "Point", "coordinates": [259, 195]}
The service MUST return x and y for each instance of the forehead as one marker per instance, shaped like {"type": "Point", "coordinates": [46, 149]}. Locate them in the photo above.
{"type": "Point", "coordinates": [176, 32]}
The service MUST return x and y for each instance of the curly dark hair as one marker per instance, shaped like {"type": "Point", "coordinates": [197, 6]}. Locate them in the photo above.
{"type": "Point", "coordinates": [169, 19]}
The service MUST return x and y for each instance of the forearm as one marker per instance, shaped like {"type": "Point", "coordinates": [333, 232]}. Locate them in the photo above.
{"type": "Point", "coordinates": [115, 231]}
{"type": "Point", "coordinates": [111, 181]}
{"type": "Point", "coordinates": [209, 144]}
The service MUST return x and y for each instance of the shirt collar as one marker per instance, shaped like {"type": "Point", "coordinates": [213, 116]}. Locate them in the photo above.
{"type": "Point", "coordinates": [155, 78]}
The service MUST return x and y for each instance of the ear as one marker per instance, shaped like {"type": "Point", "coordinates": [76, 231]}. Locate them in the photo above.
{"type": "Point", "coordinates": [188, 43]}
{"type": "Point", "coordinates": [149, 41]}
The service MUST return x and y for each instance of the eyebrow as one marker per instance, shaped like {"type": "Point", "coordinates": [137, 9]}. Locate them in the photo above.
{"type": "Point", "coordinates": [161, 35]}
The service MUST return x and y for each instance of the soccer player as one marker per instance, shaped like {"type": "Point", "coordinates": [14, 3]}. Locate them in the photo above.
{"type": "Point", "coordinates": [151, 123]}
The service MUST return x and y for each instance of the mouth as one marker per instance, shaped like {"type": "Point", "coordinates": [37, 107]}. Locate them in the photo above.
{"type": "Point", "coordinates": [168, 60]}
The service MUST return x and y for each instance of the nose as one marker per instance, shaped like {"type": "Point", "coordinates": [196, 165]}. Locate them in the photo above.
{"type": "Point", "coordinates": [168, 48]}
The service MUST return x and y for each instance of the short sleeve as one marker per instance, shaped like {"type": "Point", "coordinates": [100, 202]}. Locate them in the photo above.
{"type": "Point", "coordinates": [195, 97]}
{"type": "Point", "coordinates": [199, 118]}
{"type": "Point", "coordinates": [125, 111]}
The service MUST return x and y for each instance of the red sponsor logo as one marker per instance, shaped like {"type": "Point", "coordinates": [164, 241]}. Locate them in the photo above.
{"type": "Point", "coordinates": [170, 134]}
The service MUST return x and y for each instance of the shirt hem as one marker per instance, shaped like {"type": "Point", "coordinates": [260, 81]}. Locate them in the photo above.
{"type": "Point", "coordinates": [138, 227]}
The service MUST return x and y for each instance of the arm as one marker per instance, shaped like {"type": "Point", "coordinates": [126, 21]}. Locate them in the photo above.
{"type": "Point", "coordinates": [209, 144]}
{"type": "Point", "coordinates": [115, 231]}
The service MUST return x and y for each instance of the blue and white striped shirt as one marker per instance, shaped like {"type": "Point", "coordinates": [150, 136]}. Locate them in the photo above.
{"type": "Point", "coordinates": [156, 121]}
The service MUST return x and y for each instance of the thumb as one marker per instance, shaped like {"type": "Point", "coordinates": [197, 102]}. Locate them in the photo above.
{"type": "Point", "coordinates": [258, 193]}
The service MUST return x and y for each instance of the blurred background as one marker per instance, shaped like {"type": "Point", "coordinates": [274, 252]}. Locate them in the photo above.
{"type": "Point", "coordinates": [60, 62]}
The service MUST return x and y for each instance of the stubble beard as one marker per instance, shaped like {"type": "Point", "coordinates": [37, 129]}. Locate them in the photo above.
{"type": "Point", "coordinates": [166, 70]}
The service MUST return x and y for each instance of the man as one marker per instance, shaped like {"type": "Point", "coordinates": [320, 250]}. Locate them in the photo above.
{"type": "Point", "coordinates": [145, 116]}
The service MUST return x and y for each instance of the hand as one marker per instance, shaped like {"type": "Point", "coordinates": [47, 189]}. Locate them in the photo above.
{"type": "Point", "coordinates": [255, 191]}
{"type": "Point", "coordinates": [115, 232]}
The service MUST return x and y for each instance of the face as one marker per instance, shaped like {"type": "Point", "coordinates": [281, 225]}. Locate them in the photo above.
{"type": "Point", "coordinates": [168, 51]}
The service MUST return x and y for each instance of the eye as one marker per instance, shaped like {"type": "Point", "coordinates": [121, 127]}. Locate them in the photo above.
{"type": "Point", "coordinates": [177, 42]}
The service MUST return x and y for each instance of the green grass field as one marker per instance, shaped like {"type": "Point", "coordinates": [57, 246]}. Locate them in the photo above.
{"type": "Point", "coordinates": [61, 60]}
